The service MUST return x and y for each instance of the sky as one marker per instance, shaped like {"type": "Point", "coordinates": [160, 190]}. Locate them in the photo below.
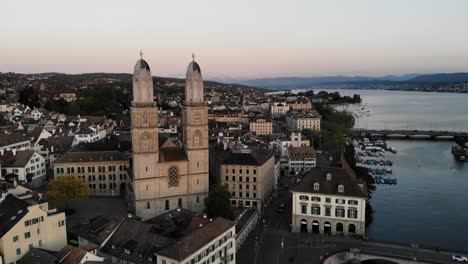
{"type": "Point", "coordinates": [236, 39]}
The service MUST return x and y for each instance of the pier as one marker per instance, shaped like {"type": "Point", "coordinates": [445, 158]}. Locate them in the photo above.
{"type": "Point", "coordinates": [408, 134]}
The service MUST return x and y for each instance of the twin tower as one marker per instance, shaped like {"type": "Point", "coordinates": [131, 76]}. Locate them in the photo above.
{"type": "Point", "coordinates": [165, 175]}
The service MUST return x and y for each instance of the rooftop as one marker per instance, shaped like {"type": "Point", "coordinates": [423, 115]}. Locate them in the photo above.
{"type": "Point", "coordinates": [337, 176]}
{"type": "Point", "coordinates": [91, 157]}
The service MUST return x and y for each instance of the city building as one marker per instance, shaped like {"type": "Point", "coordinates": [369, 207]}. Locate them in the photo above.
{"type": "Point", "coordinates": [303, 120]}
{"type": "Point", "coordinates": [24, 226]}
{"type": "Point", "coordinates": [23, 165]}
{"type": "Point", "coordinates": [261, 126]}
{"type": "Point", "coordinates": [214, 242]}
{"type": "Point", "coordinates": [329, 201]}
{"type": "Point", "coordinates": [225, 115]}
{"type": "Point", "coordinates": [104, 171]}
{"type": "Point", "coordinates": [248, 174]}
{"type": "Point", "coordinates": [301, 159]}
{"type": "Point", "coordinates": [14, 141]}
{"type": "Point", "coordinates": [174, 176]}
{"type": "Point", "coordinates": [300, 105]}
{"type": "Point", "coordinates": [279, 108]}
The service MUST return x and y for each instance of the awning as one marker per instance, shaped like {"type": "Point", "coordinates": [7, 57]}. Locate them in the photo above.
{"type": "Point", "coordinates": [327, 225]}
{"type": "Point", "coordinates": [315, 223]}
{"type": "Point", "coordinates": [304, 222]}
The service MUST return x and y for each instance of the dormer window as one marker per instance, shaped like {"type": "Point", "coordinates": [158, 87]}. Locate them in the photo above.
{"type": "Point", "coordinates": [340, 188]}
{"type": "Point", "coordinates": [127, 251]}
{"type": "Point", "coordinates": [316, 186]}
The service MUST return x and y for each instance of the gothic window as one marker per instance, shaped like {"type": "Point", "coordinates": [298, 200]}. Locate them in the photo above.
{"type": "Point", "coordinates": [146, 143]}
{"type": "Point", "coordinates": [197, 139]}
{"type": "Point", "coordinates": [173, 176]}
{"type": "Point", "coordinates": [196, 118]}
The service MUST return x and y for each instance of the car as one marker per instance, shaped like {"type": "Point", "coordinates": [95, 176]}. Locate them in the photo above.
{"type": "Point", "coordinates": [459, 258]}
{"type": "Point", "coordinates": [281, 208]}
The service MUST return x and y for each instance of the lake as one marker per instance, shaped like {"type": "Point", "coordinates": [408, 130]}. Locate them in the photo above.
{"type": "Point", "coordinates": [429, 205]}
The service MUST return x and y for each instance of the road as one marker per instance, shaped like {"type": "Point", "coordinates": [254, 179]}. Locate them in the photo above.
{"type": "Point", "coordinates": [272, 242]}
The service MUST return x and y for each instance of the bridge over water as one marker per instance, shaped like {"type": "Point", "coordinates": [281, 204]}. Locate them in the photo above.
{"type": "Point", "coordinates": [410, 134]}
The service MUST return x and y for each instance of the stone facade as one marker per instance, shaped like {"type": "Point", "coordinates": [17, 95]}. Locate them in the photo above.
{"type": "Point", "coordinates": [167, 178]}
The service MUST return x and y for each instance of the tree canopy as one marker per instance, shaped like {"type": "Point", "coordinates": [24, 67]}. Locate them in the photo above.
{"type": "Point", "coordinates": [218, 203]}
{"type": "Point", "coordinates": [63, 189]}
{"type": "Point", "coordinates": [29, 96]}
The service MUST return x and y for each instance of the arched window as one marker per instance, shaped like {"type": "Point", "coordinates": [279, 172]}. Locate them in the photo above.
{"type": "Point", "coordinates": [173, 176]}
{"type": "Point", "coordinates": [146, 143]}
{"type": "Point", "coordinates": [145, 119]}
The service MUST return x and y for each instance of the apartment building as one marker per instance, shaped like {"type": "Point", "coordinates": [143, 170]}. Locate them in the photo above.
{"type": "Point", "coordinates": [104, 171]}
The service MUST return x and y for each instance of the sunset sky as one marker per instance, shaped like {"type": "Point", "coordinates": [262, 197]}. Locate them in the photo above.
{"type": "Point", "coordinates": [239, 39]}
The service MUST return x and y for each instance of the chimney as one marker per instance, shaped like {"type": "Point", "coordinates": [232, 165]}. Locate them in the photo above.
{"type": "Point", "coordinates": [2, 151]}
{"type": "Point", "coordinates": [52, 149]}
{"type": "Point", "coordinates": [14, 152]}
{"type": "Point", "coordinates": [329, 176]}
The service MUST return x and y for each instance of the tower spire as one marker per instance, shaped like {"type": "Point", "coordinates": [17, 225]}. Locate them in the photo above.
{"type": "Point", "coordinates": [193, 56]}
{"type": "Point", "coordinates": [141, 54]}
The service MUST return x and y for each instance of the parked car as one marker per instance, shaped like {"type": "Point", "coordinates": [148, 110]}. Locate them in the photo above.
{"type": "Point", "coordinates": [459, 258]}
{"type": "Point", "coordinates": [281, 208]}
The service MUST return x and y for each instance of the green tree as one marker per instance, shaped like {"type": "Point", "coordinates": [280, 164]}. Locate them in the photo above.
{"type": "Point", "coordinates": [63, 189]}
{"type": "Point", "coordinates": [29, 96]}
{"type": "Point", "coordinates": [218, 203]}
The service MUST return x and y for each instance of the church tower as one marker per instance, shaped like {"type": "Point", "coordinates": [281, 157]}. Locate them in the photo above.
{"type": "Point", "coordinates": [195, 134]}
{"type": "Point", "coordinates": [144, 121]}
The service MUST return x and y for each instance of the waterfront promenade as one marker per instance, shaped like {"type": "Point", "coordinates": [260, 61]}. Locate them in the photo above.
{"type": "Point", "coordinates": [272, 242]}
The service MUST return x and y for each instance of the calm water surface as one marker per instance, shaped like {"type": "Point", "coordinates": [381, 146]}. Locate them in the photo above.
{"type": "Point", "coordinates": [429, 205]}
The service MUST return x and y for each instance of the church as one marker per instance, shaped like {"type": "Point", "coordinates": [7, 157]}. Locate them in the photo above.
{"type": "Point", "coordinates": [165, 176]}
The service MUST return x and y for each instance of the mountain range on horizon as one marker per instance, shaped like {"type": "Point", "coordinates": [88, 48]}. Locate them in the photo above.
{"type": "Point", "coordinates": [307, 82]}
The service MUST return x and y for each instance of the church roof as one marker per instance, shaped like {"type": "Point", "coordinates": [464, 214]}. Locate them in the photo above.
{"type": "Point", "coordinates": [142, 65]}
{"type": "Point", "coordinates": [193, 67]}
{"type": "Point", "coordinates": [172, 154]}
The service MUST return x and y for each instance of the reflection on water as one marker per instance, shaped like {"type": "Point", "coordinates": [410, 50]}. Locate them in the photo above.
{"type": "Point", "coordinates": [429, 205]}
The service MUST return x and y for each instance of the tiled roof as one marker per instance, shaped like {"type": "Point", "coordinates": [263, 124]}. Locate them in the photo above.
{"type": "Point", "coordinates": [197, 239]}
{"type": "Point", "coordinates": [302, 151]}
{"type": "Point", "coordinates": [8, 139]}
{"type": "Point", "coordinates": [256, 157]}
{"type": "Point", "coordinates": [20, 159]}
{"type": "Point", "coordinates": [339, 176]}
{"type": "Point", "coordinates": [12, 210]}
{"type": "Point", "coordinates": [37, 256]}
{"type": "Point", "coordinates": [91, 156]}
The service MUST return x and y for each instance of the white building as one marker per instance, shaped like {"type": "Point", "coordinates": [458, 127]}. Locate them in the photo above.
{"type": "Point", "coordinates": [301, 159]}
{"type": "Point", "coordinates": [303, 120]}
{"type": "Point", "coordinates": [14, 141]}
{"type": "Point", "coordinates": [329, 201]}
{"type": "Point", "coordinates": [24, 165]}
{"type": "Point", "coordinates": [36, 114]}
{"type": "Point", "coordinates": [279, 108]}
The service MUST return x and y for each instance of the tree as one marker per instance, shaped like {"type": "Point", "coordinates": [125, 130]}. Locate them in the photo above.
{"type": "Point", "coordinates": [218, 203]}
{"type": "Point", "coordinates": [63, 189]}
{"type": "Point", "coordinates": [29, 96]}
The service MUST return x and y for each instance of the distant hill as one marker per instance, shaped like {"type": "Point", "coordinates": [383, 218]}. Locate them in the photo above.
{"type": "Point", "coordinates": [442, 78]}
{"type": "Point", "coordinates": [365, 81]}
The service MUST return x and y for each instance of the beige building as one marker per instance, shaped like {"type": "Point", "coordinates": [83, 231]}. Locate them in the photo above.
{"type": "Point", "coordinates": [225, 116]}
{"type": "Point", "coordinates": [329, 201]}
{"type": "Point", "coordinates": [24, 226]}
{"type": "Point", "coordinates": [104, 171]}
{"type": "Point", "coordinates": [303, 120]}
{"type": "Point", "coordinates": [261, 126]}
{"type": "Point", "coordinates": [214, 243]}
{"type": "Point", "coordinates": [300, 105]}
{"type": "Point", "coordinates": [164, 178]}
{"type": "Point", "coordinates": [249, 176]}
